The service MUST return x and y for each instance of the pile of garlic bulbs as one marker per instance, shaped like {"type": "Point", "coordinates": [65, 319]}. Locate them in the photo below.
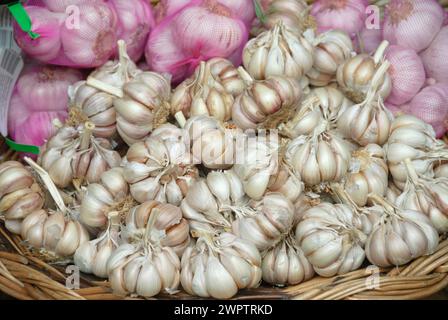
{"type": "Point", "coordinates": [272, 172]}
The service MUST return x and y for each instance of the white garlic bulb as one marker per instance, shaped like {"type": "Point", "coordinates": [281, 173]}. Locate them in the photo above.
{"type": "Point", "coordinates": [210, 202]}
{"type": "Point", "coordinates": [321, 157]}
{"type": "Point", "coordinates": [286, 182]}
{"type": "Point", "coordinates": [332, 48]}
{"type": "Point", "coordinates": [294, 14]}
{"type": "Point", "coordinates": [355, 75]}
{"type": "Point", "coordinates": [143, 270]}
{"type": "Point", "coordinates": [73, 153]}
{"type": "Point", "coordinates": [219, 267]}
{"type": "Point", "coordinates": [91, 257]}
{"type": "Point", "coordinates": [412, 138]}
{"type": "Point", "coordinates": [268, 221]}
{"type": "Point", "coordinates": [206, 94]}
{"type": "Point", "coordinates": [109, 196]}
{"type": "Point", "coordinates": [20, 195]}
{"type": "Point", "coordinates": [368, 174]}
{"type": "Point", "coordinates": [53, 232]}
{"type": "Point", "coordinates": [322, 104]}
{"type": "Point", "coordinates": [330, 239]}
{"type": "Point", "coordinates": [160, 167]}
{"type": "Point", "coordinates": [400, 236]}
{"type": "Point", "coordinates": [285, 264]}
{"type": "Point", "coordinates": [426, 195]}
{"type": "Point", "coordinates": [278, 52]}
{"type": "Point", "coordinates": [212, 144]}
{"type": "Point", "coordinates": [95, 96]}
{"type": "Point", "coordinates": [143, 107]}
{"type": "Point", "coordinates": [266, 103]}
{"type": "Point", "coordinates": [169, 221]}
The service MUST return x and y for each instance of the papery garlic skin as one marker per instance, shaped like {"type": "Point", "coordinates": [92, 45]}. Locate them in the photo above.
{"type": "Point", "coordinates": [209, 91]}
{"type": "Point", "coordinates": [219, 267]}
{"type": "Point", "coordinates": [73, 153]}
{"type": "Point", "coordinates": [160, 167]}
{"type": "Point", "coordinates": [169, 222]}
{"type": "Point", "coordinates": [110, 194]}
{"type": "Point", "coordinates": [368, 174]}
{"type": "Point", "coordinates": [266, 103]}
{"type": "Point", "coordinates": [355, 76]}
{"type": "Point", "coordinates": [272, 219]}
{"type": "Point", "coordinates": [332, 48]}
{"type": "Point", "coordinates": [285, 264]}
{"type": "Point", "coordinates": [319, 158]}
{"type": "Point", "coordinates": [134, 270]}
{"type": "Point", "coordinates": [400, 238]}
{"type": "Point", "coordinates": [143, 107]}
{"type": "Point", "coordinates": [322, 104]}
{"type": "Point", "coordinates": [96, 104]}
{"type": "Point", "coordinates": [53, 232]}
{"type": "Point", "coordinates": [412, 138]}
{"type": "Point", "coordinates": [278, 52]}
{"type": "Point", "coordinates": [292, 13]}
{"type": "Point", "coordinates": [92, 256]}
{"type": "Point", "coordinates": [212, 144]}
{"type": "Point", "coordinates": [330, 239]}
{"type": "Point", "coordinates": [20, 195]}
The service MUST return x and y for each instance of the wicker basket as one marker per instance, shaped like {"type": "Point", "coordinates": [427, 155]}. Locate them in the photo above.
{"type": "Point", "coordinates": [25, 275]}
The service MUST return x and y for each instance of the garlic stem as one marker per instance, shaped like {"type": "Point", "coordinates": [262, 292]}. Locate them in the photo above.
{"type": "Point", "coordinates": [105, 87]}
{"type": "Point", "coordinates": [412, 174]}
{"type": "Point", "coordinates": [51, 187]}
{"type": "Point", "coordinates": [86, 135]}
{"type": "Point", "coordinates": [180, 118]}
{"type": "Point", "coordinates": [379, 53]}
{"type": "Point", "coordinates": [123, 59]}
{"type": "Point", "coordinates": [379, 200]}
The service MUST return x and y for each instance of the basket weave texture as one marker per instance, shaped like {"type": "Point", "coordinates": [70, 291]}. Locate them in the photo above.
{"type": "Point", "coordinates": [25, 275]}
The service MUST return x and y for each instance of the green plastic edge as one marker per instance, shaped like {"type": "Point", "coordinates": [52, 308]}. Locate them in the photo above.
{"type": "Point", "coordinates": [259, 12]}
{"type": "Point", "coordinates": [21, 147]}
{"type": "Point", "coordinates": [23, 19]}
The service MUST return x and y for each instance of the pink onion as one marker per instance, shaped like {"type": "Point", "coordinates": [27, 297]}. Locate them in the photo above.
{"type": "Point", "coordinates": [135, 20]}
{"type": "Point", "coordinates": [202, 30]}
{"type": "Point", "coordinates": [412, 23]}
{"type": "Point", "coordinates": [368, 40]}
{"type": "Point", "coordinates": [407, 73]}
{"type": "Point", "coordinates": [346, 15]}
{"type": "Point", "coordinates": [61, 5]}
{"type": "Point", "coordinates": [397, 110]}
{"type": "Point", "coordinates": [39, 96]}
{"type": "Point", "coordinates": [431, 105]}
{"type": "Point", "coordinates": [243, 9]}
{"type": "Point", "coordinates": [435, 57]}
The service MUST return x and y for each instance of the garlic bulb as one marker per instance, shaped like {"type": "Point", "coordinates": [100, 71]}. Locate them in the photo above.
{"type": "Point", "coordinates": [266, 103]}
{"type": "Point", "coordinates": [73, 153]}
{"type": "Point", "coordinates": [332, 48]}
{"type": "Point", "coordinates": [212, 144]}
{"type": "Point", "coordinates": [265, 222]}
{"type": "Point", "coordinates": [20, 195]}
{"type": "Point", "coordinates": [219, 267]}
{"type": "Point", "coordinates": [109, 196]}
{"type": "Point", "coordinates": [321, 157]}
{"type": "Point", "coordinates": [209, 91]}
{"type": "Point", "coordinates": [53, 232]}
{"type": "Point", "coordinates": [278, 52]}
{"type": "Point", "coordinates": [159, 168]}
{"type": "Point", "coordinates": [92, 256]}
{"type": "Point", "coordinates": [355, 75]}
{"type": "Point", "coordinates": [294, 14]}
{"type": "Point", "coordinates": [169, 222]}
{"type": "Point", "coordinates": [429, 196]}
{"type": "Point", "coordinates": [144, 271]}
{"type": "Point", "coordinates": [321, 104]}
{"type": "Point", "coordinates": [400, 236]}
{"type": "Point", "coordinates": [286, 182]}
{"type": "Point", "coordinates": [209, 203]}
{"type": "Point", "coordinates": [143, 107]}
{"type": "Point", "coordinates": [368, 174]}
{"type": "Point", "coordinates": [285, 264]}
{"type": "Point", "coordinates": [330, 240]}
{"type": "Point", "coordinates": [95, 96]}
{"type": "Point", "coordinates": [414, 139]}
